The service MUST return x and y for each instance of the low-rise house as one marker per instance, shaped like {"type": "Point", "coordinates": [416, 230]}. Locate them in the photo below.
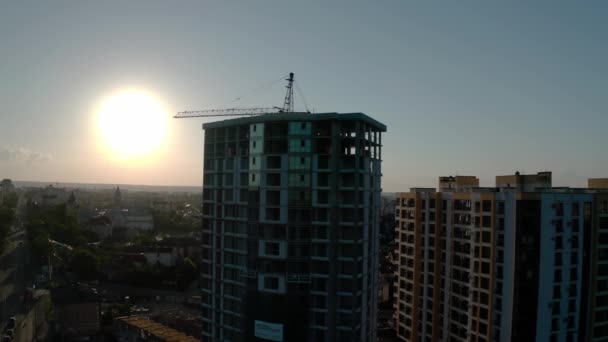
{"type": "Point", "coordinates": [117, 216]}
{"type": "Point", "coordinates": [123, 233]}
{"type": "Point", "coordinates": [183, 247]}
{"type": "Point", "coordinates": [162, 205]}
{"type": "Point", "coordinates": [154, 255]}
{"type": "Point", "coordinates": [49, 196]}
{"type": "Point", "coordinates": [86, 213]}
{"type": "Point", "coordinates": [100, 225]}
{"type": "Point", "coordinates": [140, 221]}
{"type": "Point", "coordinates": [160, 255]}
{"type": "Point", "coordinates": [137, 259]}
{"type": "Point", "coordinates": [76, 311]}
{"type": "Point", "coordinates": [132, 219]}
{"type": "Point", "coordinates": [138, 328]}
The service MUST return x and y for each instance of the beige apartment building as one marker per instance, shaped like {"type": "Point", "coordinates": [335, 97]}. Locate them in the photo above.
{"type": "Point", "coordinates": [502, 263]}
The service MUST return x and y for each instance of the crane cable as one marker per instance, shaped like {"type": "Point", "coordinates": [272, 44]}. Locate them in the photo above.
{"type": "Point", "coordinates": [302, 96]}
{"type": "Point", "coordinates": [263, 86]}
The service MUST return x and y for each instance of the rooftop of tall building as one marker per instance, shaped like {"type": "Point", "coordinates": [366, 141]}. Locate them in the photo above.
{"type": "Point", "coordinates": [297, 117]}
{"type": "Point", "coordinates": [597, 183]}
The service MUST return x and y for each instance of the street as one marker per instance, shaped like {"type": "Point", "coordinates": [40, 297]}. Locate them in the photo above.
{"type": "Point", "coordinates": [12, 284]}
{"type": "Point", "coordinates": [15, 274]}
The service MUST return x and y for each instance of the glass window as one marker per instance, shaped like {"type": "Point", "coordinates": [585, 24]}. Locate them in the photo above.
{"type": "Point", "coordinates": [299, 163]}
{"type": "Point", "coordinates": [272, 248]}
{"type": "Point", "coordinates": [299, 145]}
{"type": "Point", "coordinates": [271, 283]}
{"type": "Point", "coordinates": [574, 209]}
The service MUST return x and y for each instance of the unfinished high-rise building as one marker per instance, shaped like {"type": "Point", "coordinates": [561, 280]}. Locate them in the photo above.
{"type": "Point", "coordinates": [291, 227]}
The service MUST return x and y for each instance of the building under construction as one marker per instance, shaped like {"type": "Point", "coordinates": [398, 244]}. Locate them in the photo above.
{"type": "Point", "coordinates": [291, 227]}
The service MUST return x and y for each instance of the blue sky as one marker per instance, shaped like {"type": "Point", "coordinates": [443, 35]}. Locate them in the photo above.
{"type": "Point", "coordinates": [479, 88]}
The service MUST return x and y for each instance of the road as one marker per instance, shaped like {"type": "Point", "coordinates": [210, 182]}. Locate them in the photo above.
{"type": "Point", "coordinates": [17, 272]}
{"type": "Point", "coordinates": [32, 324]}
{"type": "Point", "coordinates": [12, 277]}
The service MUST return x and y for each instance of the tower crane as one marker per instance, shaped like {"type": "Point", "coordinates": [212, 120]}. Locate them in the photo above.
{"type": "Point", "coordinates": [288, 107]}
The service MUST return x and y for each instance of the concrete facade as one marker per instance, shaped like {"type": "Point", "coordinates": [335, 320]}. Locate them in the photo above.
{"type": "Point", "coordinates": [291, 228]}
{"type": "Point", "coordinates": [501, 264]}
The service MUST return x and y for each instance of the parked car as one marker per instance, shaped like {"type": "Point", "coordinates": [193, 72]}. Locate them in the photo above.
{"type": "Point", "coordinates": [11, 323]}
{"type": "Point", "coordinates": [10, 333]}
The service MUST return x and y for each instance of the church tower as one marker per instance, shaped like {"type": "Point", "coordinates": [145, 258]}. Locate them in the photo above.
{"type": "Point", "coordinates": [117, 198]}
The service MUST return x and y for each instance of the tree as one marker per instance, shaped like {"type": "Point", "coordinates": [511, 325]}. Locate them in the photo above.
{"type": "Point", "coordinates": [41, 245]}
{"type": "Point", "coordinates": [186, 272]}
{"type": "Point", "coordinates": [84, 263]}
{"type": "Point", "coordinates": [11, 199]}
{"type": "Point", "coordinates": [34, 228]}
{"type": "Point", "coordinates": [143, 239]}
{"type": "Point", "coordinates": [7, 217]}
{"type": "Point", "coordinates": [172, 222]}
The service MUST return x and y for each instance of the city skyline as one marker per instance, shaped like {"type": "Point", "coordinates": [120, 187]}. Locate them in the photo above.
{"type": "Point", "coordinates": [510, 87]}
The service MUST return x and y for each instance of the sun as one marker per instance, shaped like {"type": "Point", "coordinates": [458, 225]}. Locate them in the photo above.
{"type": "Point", "coordinates": [131, 125]}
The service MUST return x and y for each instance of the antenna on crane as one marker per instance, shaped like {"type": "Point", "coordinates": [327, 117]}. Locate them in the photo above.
{"type": "Point", "coordinates": [288, 107]}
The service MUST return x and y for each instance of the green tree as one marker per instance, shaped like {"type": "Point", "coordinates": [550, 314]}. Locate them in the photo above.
{"type": "Point", "coordinates": [41, 245]}
{"type": "Point", "coordinates": [143, 239]}
{"type": "Point", "coordinates": [7, 217]}
{"type": "Point", "coordinates": [11, 199]}
{"type": "Point", "coordinates": [186, 272]}
{"type": "Point", "coordinates": [84, 263]}
{"type": "Point", "coordinates": [34, 228]}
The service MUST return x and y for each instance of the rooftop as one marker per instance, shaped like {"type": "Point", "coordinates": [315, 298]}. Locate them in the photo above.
{"type": "Point", "coordinates": [296, 117]}
{"type": "Point", "coordinates": [75, 293]}
{"type": "Point", "coordinates": [155, 330]}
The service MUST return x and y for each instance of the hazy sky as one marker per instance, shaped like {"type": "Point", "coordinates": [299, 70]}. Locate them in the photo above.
{"type": "Point", "coordinates": [479, 88]}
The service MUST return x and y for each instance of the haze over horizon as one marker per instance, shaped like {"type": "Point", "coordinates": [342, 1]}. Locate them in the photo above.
{"type": "Point", "coordinates": [467, 88]}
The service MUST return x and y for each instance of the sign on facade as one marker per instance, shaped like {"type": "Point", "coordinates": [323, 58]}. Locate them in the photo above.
{"type": "Point", "coordinates": [269, 331]}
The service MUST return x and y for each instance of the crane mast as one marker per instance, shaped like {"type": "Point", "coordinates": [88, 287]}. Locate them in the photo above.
{"type": "Point", "coordinates": [288, 107]}
{"type": "Point", "coordinates": [288, 103]}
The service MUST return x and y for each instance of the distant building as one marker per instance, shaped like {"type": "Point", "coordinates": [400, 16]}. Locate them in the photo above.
{"type": "Point", "coordinates": [100, 225]}
{"type": "Point", "coordinates": [291, 206]}
{"type": "Point", "coordinates": [71, 206]}
{"type": "Point", "coordinates": [131, 219]}
{"type": "Point", "coordinates": [597, 183]}
{"type": "Point", "coordinates": [118, 217]}
{"type": "Point", "coordinates": [458, 183]}
{"type": "Point", "coordinates": [162, 205]}
{"type": "Point", "coordinates": [85, 213]}
{"type": "Point", "coordinates": [49, 197]}
{"type": "Point", "coordinates": [76, 312]}
{"type": "Point", "coordinates": [140, 221]}
{"type": "Point", "coordinates": [517, 262]}
{"type": "Point", "coordinates": [183, 247]}
{"type": "Point", "coordinates": [117, 201]}
{"type": "Point", "coordinates": [154, 255]}
{"type": "Point", "coordinates": [525, 183]}
{"type": "Point", "coordinates": [159, 256]}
